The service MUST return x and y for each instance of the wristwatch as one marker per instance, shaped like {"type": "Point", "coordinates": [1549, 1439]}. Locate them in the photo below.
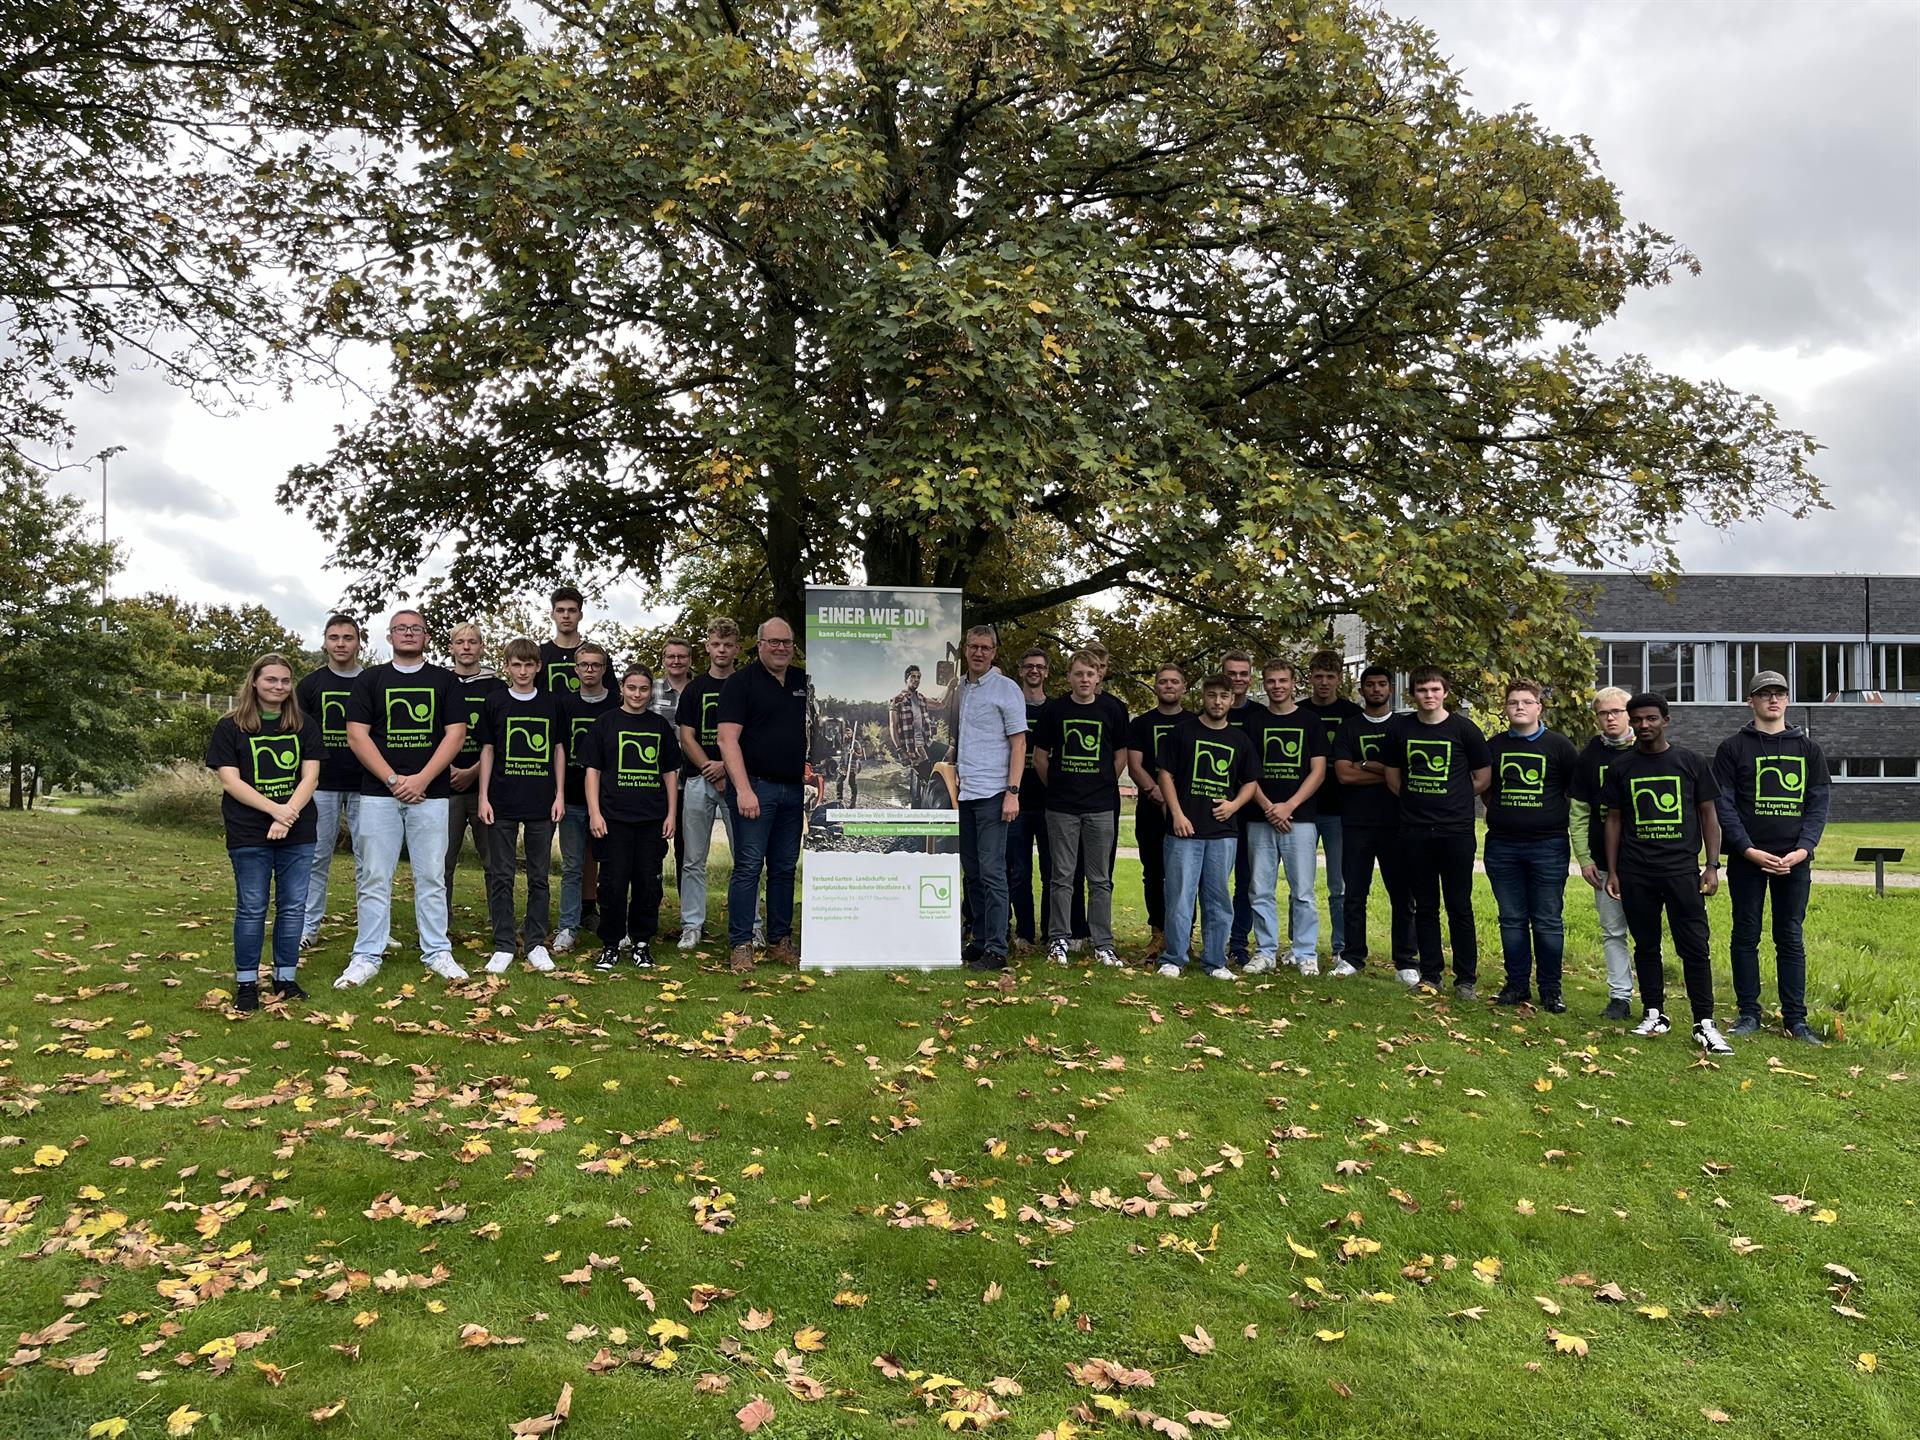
{"type": "Point", "coordinates": [392, 779]}
{"type": "Point", "coordinates": [1012, 790]}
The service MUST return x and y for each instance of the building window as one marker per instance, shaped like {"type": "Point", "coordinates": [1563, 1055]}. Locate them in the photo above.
{"type": "Point", "coordinates": [1896, 667]}
{"type": "Point", "coordinates": [1876, 768]}
{"type": "Point", "coordinates": [1823, 670]}
{"type": "Point", "coordinates": [1744, 661]}
{"type": "Point", "coordinates": [1622, 663]}
{"type": "Point", "coordinates": [1671, 671]}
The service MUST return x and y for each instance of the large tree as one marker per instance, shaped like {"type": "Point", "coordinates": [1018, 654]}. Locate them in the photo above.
{"type": "Point", "coordinates": [1233, 313]}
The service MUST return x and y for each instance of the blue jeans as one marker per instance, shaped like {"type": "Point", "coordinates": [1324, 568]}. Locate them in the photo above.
{"type": "Point", "coordinates": [771, 841]}
{"type": "Point", "coordinates": [573, 859]}
{"type": "Point", "coordinates": [1333, 833]}
{"type": "Point", "coordinates": [1199, 868]}
{"type": "Point", "coordinates": [1749, 888]}
{"type": "Point", "coordinates": [1529, 881]}
{"type": "Point", "coordinates": [1294, 850]}
{"type": "Point", "coordinates": [1026, 835]}
{"type": "Point", "coordinates": [983, 868]}
{"type": "Point", "coordinates": [384, 823]}
{"type": "Point", "coordinates": [256, 867]}
{"type": "Point", "coordinates": [327, 808]}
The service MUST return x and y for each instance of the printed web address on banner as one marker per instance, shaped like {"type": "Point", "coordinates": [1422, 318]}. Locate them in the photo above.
{"type": "Point", "coordinates": [897, 822]}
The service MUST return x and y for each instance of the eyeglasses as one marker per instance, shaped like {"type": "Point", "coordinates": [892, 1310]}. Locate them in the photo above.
{"type": "Point", "coordinates": [770, 640]}
{"type": "Point", "coordinates": [407, 630]}
{"type": "Point", "coordinates": [1603, 714]}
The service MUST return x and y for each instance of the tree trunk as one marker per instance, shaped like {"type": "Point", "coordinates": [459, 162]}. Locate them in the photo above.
{"type": "Point", "coordinates": [787, 518]}
{"type": "Point", "coordinates": [16, 764]}
{"type": "Point", "coordinates": [893, 555]}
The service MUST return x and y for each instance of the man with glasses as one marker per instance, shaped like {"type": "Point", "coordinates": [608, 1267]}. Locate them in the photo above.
{"type": "Point", "coordinates": [405, 722]}
{"type": "Point", "coordinates": [1774, 790]}
{"type": "Point", "coordinates": [1588, 831]}
{"type": "Point", "coordinates": [763, 741]}
{"type": "Point", "coordinates": [991, 759]}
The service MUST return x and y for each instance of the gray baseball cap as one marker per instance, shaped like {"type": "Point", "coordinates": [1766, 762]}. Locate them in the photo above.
{"type": "Point", "coordinates": [1767, 679]}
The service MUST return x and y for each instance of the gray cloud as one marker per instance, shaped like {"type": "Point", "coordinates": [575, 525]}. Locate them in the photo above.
{"type": "Point", "coordinates": [242, 575]}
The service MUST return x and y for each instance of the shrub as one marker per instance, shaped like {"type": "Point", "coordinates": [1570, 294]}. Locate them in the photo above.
{"type": "Point", "coordinates": [181, 793]}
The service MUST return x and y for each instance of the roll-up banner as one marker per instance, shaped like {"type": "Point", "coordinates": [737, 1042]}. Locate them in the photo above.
{"type": "Point", "coordinates": [881, 880]}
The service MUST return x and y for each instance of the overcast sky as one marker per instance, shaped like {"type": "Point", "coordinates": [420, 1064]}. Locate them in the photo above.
{"type": "Point", "coordinates": [1780, 142]}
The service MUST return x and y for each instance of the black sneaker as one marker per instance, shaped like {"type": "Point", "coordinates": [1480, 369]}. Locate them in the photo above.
{"type": "Point", "coordinates": [1552, 1003]}
{"type": "Point", "coordinates": [246, 996]}
{"type": "Point", "coordinates": [609, 958]}
{"type": "Point", "coordinates": [1617, 1009]}
{"type": "Point", "coordinates": [288, 990]}
{"type": "Point", "coordinates": [969, 954]}
{"type": "Point", "coordinates": [1708, 1037]}
{"type": "Point", "coordinates": [642, 954]}
{"type": "Point", "coordinates": [986, 961]}
{"type": "Point", "coordinates": [1510, 996]}
{"type": "Point", "coordinates": [1745, 1025]}
{"type": "Point", "coordinates": [1805, 1034]}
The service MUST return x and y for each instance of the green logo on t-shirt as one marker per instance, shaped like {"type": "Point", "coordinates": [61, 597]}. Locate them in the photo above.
{"type": "Point", "coordinates": [1599, 786]}
{"type": "Point", "coordinates": [1655, 802]}
{"type": "Point", "coordinates": [1429, 764]}
{"type": "Point", "coordinates": [333, 717]}
{"type": "Point", "coordinates": [561, 676]}
{"type": "Point", "coordinates": [1779, 785]}
{"type": "Point", "coordinates": [528, 752]}
{"type": "Point", "coordinates": [1369, 746]}
{"type": "Point", "coordinates": [276, 764]}
{"type": "Point", "coordinates": [710, 722]}
{"type": "Point", "coordinates": [1284, 754]}
{"type": "Point", "coordinates": [1523, 780]}
{"type": "Point", "coordinates": [410, 711]}
{"type": "Point", "coordinates": [1212, 769]}
{"type": "Point", "coordinates": [637, 760]}
{"type": "Point", "coordinates": [576, 746]}
{"type": "Point", "coordinates": [1080, 746]}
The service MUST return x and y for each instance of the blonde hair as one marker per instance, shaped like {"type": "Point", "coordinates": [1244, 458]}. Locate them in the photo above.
{"type": "Point", "coordinates": [465, 627]}
{"type": "Point", "coordinates": [1611, 692]}
{"type": "Point", "coordinates": [246, 701]}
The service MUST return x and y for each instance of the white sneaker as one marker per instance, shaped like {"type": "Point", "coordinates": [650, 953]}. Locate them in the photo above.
{"type": "Point", "coordinates": [563, 942]}
{"type": "Point", "coordinates": [1225, 972]}
{"type": "Point", "coordinates": [1077, 945]}
{"type": "Point", "coordinates": [393, 944]}
{"type": "Point", "coordinates": [1341, 970]}
{"type": "Point", "coordinates": [1309, 965]}
{"type": "Point", "coordinates": [445, 966]}
{"type": "Point", "coordinates": [539, 959]}
{"type": "Point", "coordinates": [309, 940]}
{"type": "Point", "coordinates": [690, 937]}
{"type": "Point", "coordinates": [1408, 978]}
{"type": "Point", "coordinates": [500, 961]}
{"type": "Point", "coordinates": [1654, 1023]}
{"type": "Point", "coordinates": [1260, 965]}
{"type": "Point", "coordinates": [759, 936]}
{"type": "Point", "coordinates": [1057, 951]}
{"type": "Point", "coordinates": [1169, 971]}
{"type": "Point", "coordinates": [1107, 955]}
{"type": "Point", "coordinates": [1707, 1036]}
{"type": "Point", "coordinates": [357, 973]}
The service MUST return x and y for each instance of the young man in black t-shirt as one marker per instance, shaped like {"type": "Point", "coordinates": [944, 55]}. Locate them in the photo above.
{"type": "Point", "coordinates": [1371, 829]}
{"type": "Point", "coordinates": [1027, 835]}
{"type": "Point", "coordinates": [633, 799]}
{"type": "Point", "coordinates": [1660, 814]}
{"type": "Point", "coordinates": [1437, 763]}
{"type": "Point", "coordinates": [468, 649]}
{"type": "Point", "coordinates": [1527, 846]}
{"type": "Point", "coordinates": [1082, 749]}
{"type": "Point", "coordinates": [703, 777]}
{"type": "Point", "coordinates": [557, 655]}
{"type": "Point", "coordinates": [579, 869]}
{"type": "Point", "coordinates": [324, 695]}
{"type": "Point", "coordinates": [1324, 699]}
{"type": "Point", "coordinates": [1207, 774]}
{"type": "Point", "coordinates": [1774, 789]}
{"type": "Point", "coordinates": [1144, 735]}
{"type": "Point", "coordinates": [523, 759]}
{"type": "Point", "coordinates": [406, 723]}
{"type": "Point", "coordinates": [1291, 761]}
{"type": "Point", "coordinates": [1237, 666]}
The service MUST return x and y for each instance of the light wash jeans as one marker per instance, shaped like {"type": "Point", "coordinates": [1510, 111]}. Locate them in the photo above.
{"type": "Point", "coordinates": [327, 806]}
{"type": "Point", "coordinates": [700, 802]}
{"type": "Point", "coordinates": [1613, 942]}
{"type": "Point", "coordinates": [1199, 869]}
{"type": "Point", "coordinates": [1296, 851]}
{"type": "Point", "coordinates": [384, 823]}
{"type": "Point", "coordinates": [573, 859]}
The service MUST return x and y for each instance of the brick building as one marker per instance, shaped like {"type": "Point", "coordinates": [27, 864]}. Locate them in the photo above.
{"type": "Point", "coordinates": [1849, 646]}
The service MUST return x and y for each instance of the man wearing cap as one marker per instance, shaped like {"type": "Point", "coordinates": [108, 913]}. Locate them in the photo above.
{"type": "Point", "coordinates": [1773, 807]}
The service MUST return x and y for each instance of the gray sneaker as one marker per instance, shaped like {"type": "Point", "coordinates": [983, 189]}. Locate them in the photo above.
{"type": "Point", "coordinates": [1466, 990]}
{"type": "Point", "coordinates": [564, 941]}
{"type": "Point", "coordinates": [689, 937]}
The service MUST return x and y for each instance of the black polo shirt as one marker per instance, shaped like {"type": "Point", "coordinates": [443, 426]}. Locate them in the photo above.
{"type": "Point", "coordinates": [772, 716]}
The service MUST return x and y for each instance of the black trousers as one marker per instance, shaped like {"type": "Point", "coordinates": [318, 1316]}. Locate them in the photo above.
{"type": "Point", "coordinates": [503, 862]}
{"type": "Point", "coordinates": [1437, 863]}
{"type": "Point", "coordinates": [1645, 898]}
{"type": "Point", "coordinates": [1150, 834]}
{"type": "Point", "coordinates": [632, 854]}
{"type": "Point", "coordinates": [1363, 847]}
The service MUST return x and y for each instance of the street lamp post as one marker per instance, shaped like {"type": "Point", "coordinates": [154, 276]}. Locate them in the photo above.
{"type": "Point", "coordinates": [106, 558]}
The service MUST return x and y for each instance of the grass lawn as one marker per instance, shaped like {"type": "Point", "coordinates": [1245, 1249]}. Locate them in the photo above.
{"type": "Point", "coordinates": [1075, 1202]}
{"type": "Point", "coordinates": [1842, 839]}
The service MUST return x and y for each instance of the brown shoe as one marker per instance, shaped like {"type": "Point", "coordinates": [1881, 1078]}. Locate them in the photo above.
{"type": "Point", "coordinates": [784, 954]}
{"type": "Point", "coordinates": [742, 959]}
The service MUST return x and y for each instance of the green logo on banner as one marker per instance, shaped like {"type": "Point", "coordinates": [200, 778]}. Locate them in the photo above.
{"type": "Point", "coordinates": [1656, 806]}
{"type": "Point", "coordinates": [1523, 780]}
{"type": "Point", "coordinates": [1429, 766]}
{"type": "Point", "coordinates": [637, 760]}
{"type": "Point", "coordinates": [936, 896]}
{"type": "Point", "coordinates": [410, 712]}
{"type": "Point", "coordinates": [529, 746]}
{"type": "Point", "coordinates": [1779, 785]}
{"type": "Point", "coordinates": [276, 764]}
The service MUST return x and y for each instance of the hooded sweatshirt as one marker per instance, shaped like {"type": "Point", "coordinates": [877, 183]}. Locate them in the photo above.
{"type": "Point", "coordinates": [1774, 790]}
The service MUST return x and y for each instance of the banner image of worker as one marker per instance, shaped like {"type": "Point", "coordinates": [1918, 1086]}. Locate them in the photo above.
{"type": "Point", "coordinates": [881, 878]}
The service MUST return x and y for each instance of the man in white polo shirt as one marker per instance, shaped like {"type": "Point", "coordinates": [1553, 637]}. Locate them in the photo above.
{"type": "Point", "coordinates": [991, 739]}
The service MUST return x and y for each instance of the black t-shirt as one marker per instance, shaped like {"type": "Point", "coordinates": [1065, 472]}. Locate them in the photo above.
{"type": "Point", "coordinates": [1363, 739]}
{"type": "Point", "coordinates": [577, 716]}
{"type": "Point", "coordinates": [270, 762]}
{"type": "Point", "coordinates": [637, 756]}
{"type": "Point", "coordinates": [1081, 742]}
{"type": "Point", "coordinates": [1590, 772]}
{"type": "Point", "coordinates": [1769, 778]}
{"type": "Point", "coordinates": [1331, 798]}
{"type": "Point", "coordinates": [1033, 790]}
{"type": "Point", "coordinates": [699, 711]}
{"type": "Point", "coordinates": [1286, 747]}
{"type": "Point", "coordinates": [324, 696]}
{"type": "Point", "coordinates": [556, 669]}
{"type": "Point", "coordinates": [408, 715]}
{"type": "Point", "coordinates": [1205, 766]}
{"type": "Point", "coordinates": [522, 734]}
{"type": "Point", "coordinates": [1146, 733]}
{"type": "Point", "coordinates": [772, 716]}
{"type": "Point", "coordinates": [474, 690]}
{"type": "Point", "coordinates": [1659, 799]}
{"type": "Point", "coordinates": [1436, 765]}
{"type": "Point", "coordinates": [1528, 797]}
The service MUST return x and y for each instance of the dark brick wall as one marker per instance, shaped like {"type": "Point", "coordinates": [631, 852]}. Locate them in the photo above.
{"type": "Point", "coordinates": [1785, 605]}
{"type": "Point", "coordinates": [1842, 730]}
